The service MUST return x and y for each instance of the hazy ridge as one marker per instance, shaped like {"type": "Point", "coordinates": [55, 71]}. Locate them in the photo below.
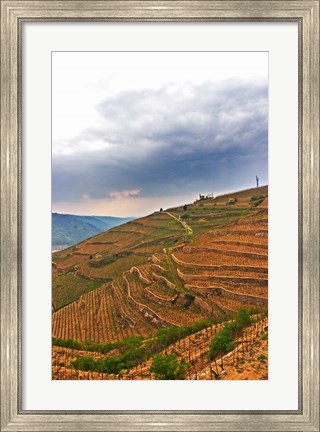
{"type": "Point", "coordinates": [68, 230]}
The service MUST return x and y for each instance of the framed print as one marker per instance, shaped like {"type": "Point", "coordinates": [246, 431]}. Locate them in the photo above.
{"type": "Point", "coordinates": [159, 215]}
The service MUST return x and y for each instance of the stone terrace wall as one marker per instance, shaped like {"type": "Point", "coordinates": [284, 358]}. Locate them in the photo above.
{"type": "Point", "coordinates": [124, 315]}
{"type": "Point", "coordinates": [244, 298]}
{"type": "Point", "coordinates": [228, 279]}
{"type": "Point", "coordinates": [219, 267]}
{"type": "Point", "coordinates": [146, 310]}
{"type": "Point", "coordinates": [164, 280]}
{"type": "Point", "coordinates": [156, 298]}
{"type": "Point", "coordinates": [135, 270]}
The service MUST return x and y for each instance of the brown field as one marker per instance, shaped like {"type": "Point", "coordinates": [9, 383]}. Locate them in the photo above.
{"type": "Point", "coordinates": [167, 269]}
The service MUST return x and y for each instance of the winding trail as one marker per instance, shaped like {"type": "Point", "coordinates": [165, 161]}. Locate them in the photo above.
{"type": "Point", "coordinates": [183, 223]}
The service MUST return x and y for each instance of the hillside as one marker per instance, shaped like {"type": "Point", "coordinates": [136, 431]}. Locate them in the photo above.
{"type": "Point", "coordinates": [184, 265]}
{"type": "Point", "coordinates": [67, 230]}
{"type": "Point", "coordinates": [247, 360]}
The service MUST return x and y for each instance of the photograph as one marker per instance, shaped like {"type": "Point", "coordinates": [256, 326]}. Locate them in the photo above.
{"type": "Point", "coordinates": [159, 215]}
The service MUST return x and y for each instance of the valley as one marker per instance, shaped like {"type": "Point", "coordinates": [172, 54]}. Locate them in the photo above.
{"type": "Point", "coordinates": [68, 230]}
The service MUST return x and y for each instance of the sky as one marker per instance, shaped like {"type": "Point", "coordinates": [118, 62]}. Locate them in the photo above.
{"type": "Point", "coordinates": [136, 131]}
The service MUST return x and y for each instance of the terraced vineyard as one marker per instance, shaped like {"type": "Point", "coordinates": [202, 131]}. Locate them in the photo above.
{"type": "Point", "coordinates": [170, 269]}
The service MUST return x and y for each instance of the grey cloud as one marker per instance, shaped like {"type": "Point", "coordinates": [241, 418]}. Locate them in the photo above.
{"type": "Point", "coordinates": [168, 141]}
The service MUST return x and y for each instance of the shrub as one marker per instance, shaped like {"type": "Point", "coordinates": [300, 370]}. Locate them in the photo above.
{"type": "Point", "coordinates": [99, 261]}
{"type": "Point", "coordinates": [189, 298]}
{"type": "Point", "coordinates": [132, 341]}
{"type": "Point", "coordinates": [243, 318]}
{"type": "Point", "coordinates": [185, 216]}
{"type": "Point", "coordinates": [255, 198]}
{"type": "Point", "coordinates": [201, 221]}
{"type": "Point", "coordinates": [67, 343]}
{"type": "Point", "coordinates": [113, 364]}
{"type": "Point", "coordinates": [102, 348]}
{"type": "Point", "coordinates": [167, 367]}
{"type": "Point", "coordinates": [84, 363]}
{"type": "Point", "coordinates": [133, 351]}
{"type": "Point", "coordinates": [257, 202]}
{"type": "Point", "coordinates": [223, 342]}
{"type": "Point", "coordinates": [231, 201]}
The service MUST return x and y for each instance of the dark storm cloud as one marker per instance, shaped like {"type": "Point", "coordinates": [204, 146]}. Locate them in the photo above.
{"type": "Point", "coordinates": [168, 141]}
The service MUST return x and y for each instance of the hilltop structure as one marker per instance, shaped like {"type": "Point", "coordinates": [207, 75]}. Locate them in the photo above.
{"type": "Point", "coordinates": [203, 197]}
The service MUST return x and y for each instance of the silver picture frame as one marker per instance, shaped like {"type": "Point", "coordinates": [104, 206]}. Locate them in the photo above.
{"type": "Point", "coordinates": [13, 15]}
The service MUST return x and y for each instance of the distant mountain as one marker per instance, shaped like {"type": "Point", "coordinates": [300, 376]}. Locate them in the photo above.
{"type": "Point", "coordinates": [68, 230]}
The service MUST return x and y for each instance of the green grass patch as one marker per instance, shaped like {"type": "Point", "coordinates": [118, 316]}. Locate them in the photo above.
{"type": "Point", "coordinates": [68, 288]}
{"type": "Point", "coordinates": [262, 358]}
{"type": "Point", "coordinates": [172, 275]}
{"type": "Point", "coordinates": [115, 268]}
{"type": "Point", "coordinates": [60, 259]}
{"type": "Point", "coordinates": [160, 288]}
{"type": "Point", "coordinates": [258, 201]}
{"type": "Point", "coordinates": [215, 222]}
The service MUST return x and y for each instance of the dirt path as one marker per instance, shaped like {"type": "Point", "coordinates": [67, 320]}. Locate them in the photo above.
{"type": "Point", "coordinates": [183, 223]}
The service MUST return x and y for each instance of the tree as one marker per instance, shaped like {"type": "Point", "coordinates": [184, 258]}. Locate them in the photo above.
{"type": "Point", "coordinates": [185, 207]}
{"type": "Point", "coordinates": [221, 344]}
{"type": "Point", "coordinates": [161, 209]}
{"type": "Point", "coordinates": [168, 367]}
{"type": "Point", "coordinates": [243, 318]}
